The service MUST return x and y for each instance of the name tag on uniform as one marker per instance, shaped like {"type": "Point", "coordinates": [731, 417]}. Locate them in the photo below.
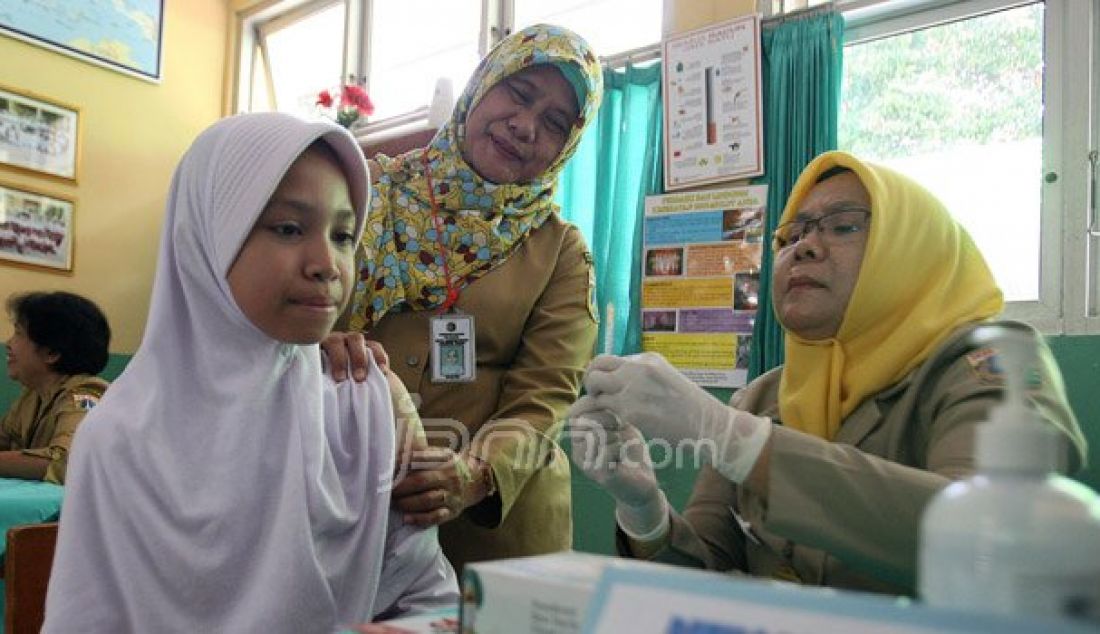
{"type": "Point", "coordinates": [453, 346]}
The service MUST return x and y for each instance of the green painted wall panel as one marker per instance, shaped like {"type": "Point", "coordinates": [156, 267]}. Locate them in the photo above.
{"type": "Point", "coordinates": [593, 521]}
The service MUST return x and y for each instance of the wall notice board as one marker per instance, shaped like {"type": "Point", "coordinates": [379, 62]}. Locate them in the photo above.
{"type": "Point", "coordinates": [712, 101]}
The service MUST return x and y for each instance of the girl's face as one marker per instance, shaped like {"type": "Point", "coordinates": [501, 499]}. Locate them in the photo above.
{"type": "Point", "coordinates": [519, 127]}
{"type": "Point", "coordinates": [292, 276]}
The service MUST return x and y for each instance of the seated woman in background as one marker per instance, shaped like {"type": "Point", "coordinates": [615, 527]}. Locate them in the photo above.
{"type": "Point", "coordinates": [820, 469]}
{"type": "Point", "coordinates": [226, 483]}
{"type": "Point", "coordinates": [60, 343]}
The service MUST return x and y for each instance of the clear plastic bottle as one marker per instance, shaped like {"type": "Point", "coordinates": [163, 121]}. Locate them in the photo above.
{"type": "Point", "coordinates": [1016, 538]}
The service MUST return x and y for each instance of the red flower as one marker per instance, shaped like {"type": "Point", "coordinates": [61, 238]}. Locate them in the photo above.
{"type": "Point", "coordinates": [352, 95]}
{"type": "Point", "coordinates": [324, 99]}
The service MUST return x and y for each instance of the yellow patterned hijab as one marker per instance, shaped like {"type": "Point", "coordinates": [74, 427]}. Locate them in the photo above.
{"type": "Point", "coordinates": [399, 260]}
{"type": "Point", "coordinates": [921, 278]}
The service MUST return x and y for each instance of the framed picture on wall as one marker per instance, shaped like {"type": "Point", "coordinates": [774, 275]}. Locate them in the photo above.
{"type": "Point", "coordinates": [39, 135]}
{"type": "Point", "coordinates": [122, 36]}
{"type": "Point", "coordinates": [36, 228]}
{"type": "Point", "coordinates": [714, 124]}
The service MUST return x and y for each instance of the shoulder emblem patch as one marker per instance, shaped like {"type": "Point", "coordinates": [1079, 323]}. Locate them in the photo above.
{"type": "Point", "coordinates": [988, 367]}
{"type": "Point", "coordinates": [85, 401]}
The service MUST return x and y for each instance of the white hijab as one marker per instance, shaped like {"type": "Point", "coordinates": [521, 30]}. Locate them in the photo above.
{"type": "Point", "coordinates": [224, 483]}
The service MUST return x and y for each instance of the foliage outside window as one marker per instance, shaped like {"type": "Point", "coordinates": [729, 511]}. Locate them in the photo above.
{"type": "Point", "coordinates": [991, 104]}
{"type": "Point", "coordinates": [960, 108]}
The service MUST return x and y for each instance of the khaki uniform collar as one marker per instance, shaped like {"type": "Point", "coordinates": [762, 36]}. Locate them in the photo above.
{"type": "Point", "coordinates": [52, 388]}
{"type": "Point", "coordinates": [865, 418]}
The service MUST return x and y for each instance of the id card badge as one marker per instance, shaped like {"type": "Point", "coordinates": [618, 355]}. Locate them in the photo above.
{"type": "Point", "coordinates": [452, 337]}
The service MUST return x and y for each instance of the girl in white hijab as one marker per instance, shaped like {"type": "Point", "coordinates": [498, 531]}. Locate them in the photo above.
{"type": "Point", "coordinates": [225, 483]}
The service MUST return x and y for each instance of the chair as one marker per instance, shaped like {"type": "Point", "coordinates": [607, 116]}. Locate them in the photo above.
{"type": "Point", "coordinates": [401, 142]}
{"type": "Point", "coordinates": [27, 564]}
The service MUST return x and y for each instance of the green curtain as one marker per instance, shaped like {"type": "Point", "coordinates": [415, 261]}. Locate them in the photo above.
{"type": "Point", "coordinates": [603, 189]}
{"type": "Point", "coordinates": [803, 60]}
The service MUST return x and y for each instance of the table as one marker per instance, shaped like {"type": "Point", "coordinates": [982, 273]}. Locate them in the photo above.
{"type": "Point", "coordinates": [27, 502]}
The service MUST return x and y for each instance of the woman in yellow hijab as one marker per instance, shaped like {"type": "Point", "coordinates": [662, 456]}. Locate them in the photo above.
{"type": "Point", "coordinates": [818, 470]}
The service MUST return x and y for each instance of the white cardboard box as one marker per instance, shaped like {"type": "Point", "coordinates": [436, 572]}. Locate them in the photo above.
{"type": "Point", "coordinates": [546, 594]}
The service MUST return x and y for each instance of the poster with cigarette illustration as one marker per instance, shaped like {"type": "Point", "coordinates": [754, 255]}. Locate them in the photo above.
{"type": "Point", "coordinates": [713, 122]}
{"type": "Point", "coordinates": [701, 280]}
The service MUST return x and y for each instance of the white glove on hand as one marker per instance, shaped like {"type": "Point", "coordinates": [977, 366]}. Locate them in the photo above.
{"type": "Point", "coordinates": [614, 455]}
{"type": "Point", "coordinates": [645, 390]}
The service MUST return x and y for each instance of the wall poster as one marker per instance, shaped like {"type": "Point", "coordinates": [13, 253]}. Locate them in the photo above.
{"type": "Point", "coordinates": [712, 100]}
{"type": "Point", "coordinates": [700, 280]}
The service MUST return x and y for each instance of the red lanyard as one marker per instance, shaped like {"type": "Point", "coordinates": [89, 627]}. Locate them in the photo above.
{"type": "Point", "coordinates": [452, 292]}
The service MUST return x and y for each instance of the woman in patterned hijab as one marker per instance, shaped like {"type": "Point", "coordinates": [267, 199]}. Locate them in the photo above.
{"type": "Point", "coordinates": [487, 209]}
{"type": "Point", "coordinates": [469, 222]}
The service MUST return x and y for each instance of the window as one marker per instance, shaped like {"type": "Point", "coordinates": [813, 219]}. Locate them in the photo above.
{"type": "Point", "coordinates": [293, 57]}
{"type": "Point", "coordinates": [289, 50]}
{"type": "Point", "coordinates": [986, 102]}
{"type": "Point", "coordinates": [596, 21]}
{"type": "Point", "coordinates": [409, 52]}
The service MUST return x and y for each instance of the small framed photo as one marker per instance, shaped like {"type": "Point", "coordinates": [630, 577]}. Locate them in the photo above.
{"type": "Point", "coordinates": [39, 135]}
{"type": "Point", "coordinates": [36, 229]}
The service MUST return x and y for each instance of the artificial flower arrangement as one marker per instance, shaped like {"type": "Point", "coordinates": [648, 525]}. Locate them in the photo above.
{"type": "Point", "coordinates": [353, 103]}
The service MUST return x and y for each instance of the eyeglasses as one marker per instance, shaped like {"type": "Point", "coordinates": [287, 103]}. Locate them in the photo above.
{"type": "Point", "coordinates": [835, 228]}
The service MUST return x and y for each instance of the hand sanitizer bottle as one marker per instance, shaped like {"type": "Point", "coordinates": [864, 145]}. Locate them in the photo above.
{"type": "Point", "coordinates": [1016, 538]}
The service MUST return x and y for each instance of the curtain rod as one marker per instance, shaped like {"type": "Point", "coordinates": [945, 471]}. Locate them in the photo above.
{"type": "Point", "coordinates": [798, 14]}
{"type": "Point", "coordinates": [633, 56]}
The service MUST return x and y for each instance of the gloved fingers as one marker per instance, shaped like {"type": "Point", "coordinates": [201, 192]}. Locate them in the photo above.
{"type": "Point", "coordinates": [606, 362]}
{"type": "Point", "coordinates": [649, 359]}
{"type": "Point", "coordinates": [603, 418]}
{"type": "Point", "coordinates": [597, 382]}
{"type": "Point", "coordinates": [582, 448]}
{"type": "Point", "coordinates": [583, 408]}
{"type": "Point", "coordinates": [592, 454]}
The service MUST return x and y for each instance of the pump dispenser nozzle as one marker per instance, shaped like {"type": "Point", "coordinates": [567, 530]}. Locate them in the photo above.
{"type": "Point", "coordinates": [1013, 439]}
{"type": "Point", "coordinates": [1015, 538]}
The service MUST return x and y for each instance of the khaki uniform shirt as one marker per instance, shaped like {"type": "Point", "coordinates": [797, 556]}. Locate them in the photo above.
{"type": "Point", "coordinates": [535, 331]}
{"type": "Point", "coordinates": [43, 424]}
{"type": "Point", "coordinates": [847, 513]}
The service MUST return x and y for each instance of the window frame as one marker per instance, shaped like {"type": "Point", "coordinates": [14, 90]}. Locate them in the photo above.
{"type": "Point", "coordinates": [497, 22]}
{"type": "Point", "coordinates": [1068, 258]}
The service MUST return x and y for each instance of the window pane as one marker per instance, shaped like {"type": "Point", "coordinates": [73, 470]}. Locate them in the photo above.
{"type": "Point", "coordinates": [414, 42]}
{"type": "Point", "coordinates": [306, 56]}
{"type": "Point", "coordinates": [610, 26]}
{"type": "Point", "coordinates": [959, 108]}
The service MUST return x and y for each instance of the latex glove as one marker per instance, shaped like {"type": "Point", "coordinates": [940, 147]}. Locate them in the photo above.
{"type": "Point", "coordinates": [663, 403]}
{"type": "Point", "coordinates": [614, 455]}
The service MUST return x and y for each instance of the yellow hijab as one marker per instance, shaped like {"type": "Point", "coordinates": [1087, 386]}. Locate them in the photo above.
{"type": "Point", "coordinates": [921, 278]}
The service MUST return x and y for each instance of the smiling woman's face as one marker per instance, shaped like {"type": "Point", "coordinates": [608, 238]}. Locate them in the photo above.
{"type": "Point", "coordinates": [520, 125]}
{"type": "Point", "coordinates": [814, 278]}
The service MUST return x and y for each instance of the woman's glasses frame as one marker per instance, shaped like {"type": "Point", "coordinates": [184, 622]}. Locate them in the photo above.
{"type": "Point", "coordinates": [834, 227]}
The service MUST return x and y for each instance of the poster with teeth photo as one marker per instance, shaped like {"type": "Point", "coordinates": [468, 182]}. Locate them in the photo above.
{"type": "Point", "coordinates": [701, 280]}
